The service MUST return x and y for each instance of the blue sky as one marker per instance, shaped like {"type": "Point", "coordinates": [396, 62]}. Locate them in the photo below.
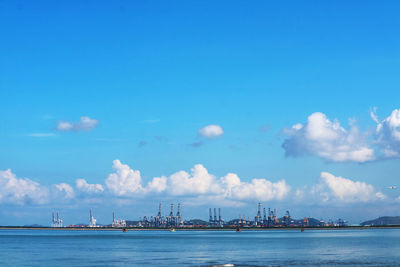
{"type": "Point", "coordinates": [151, 75]}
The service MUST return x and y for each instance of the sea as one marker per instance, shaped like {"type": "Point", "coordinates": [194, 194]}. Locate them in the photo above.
{"type": "Point", "coordinates": [347, 247]}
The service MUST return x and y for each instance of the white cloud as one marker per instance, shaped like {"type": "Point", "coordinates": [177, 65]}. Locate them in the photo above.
{"type": "Point", "coordinates": [339, 189]}
{"type": "Point", "coordinates": [328, 140]}
{"type": "Point", "coordinates": [66, 190]}
{"type": "Point", "coordinates": [388, 134]}
{"type": "Point", "coordinates": [198, 183]}
{"type": "Point", "coordinates": [257, 189]}
{"type": "Point", "coordinates": [211, 131]}
{"type": "Point", "coordinates": [85, 124]}
{"type": "Point", "coordinates": [158, 184]}
{"type": "Point", "coordinates": [83, 186]}
{"type": "Point", "coordinates": [21, 191]}
{"type": "Point", "coordinates": [124, 181]}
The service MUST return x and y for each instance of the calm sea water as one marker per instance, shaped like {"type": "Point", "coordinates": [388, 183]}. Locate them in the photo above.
{"type": "Point", "coordinates": [200, 248]}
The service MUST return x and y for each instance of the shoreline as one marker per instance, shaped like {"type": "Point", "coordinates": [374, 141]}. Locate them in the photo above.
{"type": "Point", "coordinates": [199, 228]}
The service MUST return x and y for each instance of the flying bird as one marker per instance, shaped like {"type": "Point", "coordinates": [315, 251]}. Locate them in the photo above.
{"type": "Point", "coordinates": [392, 187]}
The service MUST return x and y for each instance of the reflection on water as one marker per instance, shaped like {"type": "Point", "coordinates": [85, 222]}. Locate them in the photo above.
{"type": "Point", "coordinates": [373, 247]}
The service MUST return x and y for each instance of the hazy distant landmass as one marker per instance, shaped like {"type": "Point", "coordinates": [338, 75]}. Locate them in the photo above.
{"type": "Point", "coordinates": [33, 225]}
{"type": "Point", "coordinates": [386, 220]}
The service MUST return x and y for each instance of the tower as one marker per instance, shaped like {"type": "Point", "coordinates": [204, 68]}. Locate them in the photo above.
{"type": "Point", "coordinates": [159, 210]}
{"type": "Point", "coordinates": [179, 220]}
{"type": "Point", "coordinates": [270, 217]}
{"type": "Point", "coordinates": [257, 219]}
{"type": "Point", "coordinates": [264, 216]}
{"type": "Point", "coordinates": [92, 220]}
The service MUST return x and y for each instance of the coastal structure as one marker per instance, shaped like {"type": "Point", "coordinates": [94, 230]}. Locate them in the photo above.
{"type": "Point", "coordinates": [215, 221]}
{"type": "Point", "coordinates": [56, 220]}
{"type": "Point", "coordinates": [92, 220]}
{"type": "Point", "coordinates": [163, 221]}
{"type": "Point", "coordinates": [264, 218]}
{"type": "Point", "coordinates": [118, 222]}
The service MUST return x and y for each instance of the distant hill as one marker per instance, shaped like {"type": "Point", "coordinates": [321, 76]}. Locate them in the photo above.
{"type": "Point", "coordinates": [33, 225]}
{"type": "Point", "coordinates": [314, 222]}
{"type": "Point", "coordinates": [386, 220]}
{"type": "Point", "coordinates": [132, 222]}
{"type": "Point", "coordinates": [196, 222]}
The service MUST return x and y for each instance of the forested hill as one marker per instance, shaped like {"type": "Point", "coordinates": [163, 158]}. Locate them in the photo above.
{"type": "Point", "coordinates": [386, 220]}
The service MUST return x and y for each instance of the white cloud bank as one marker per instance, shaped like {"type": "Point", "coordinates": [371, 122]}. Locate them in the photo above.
{"type": "Point", "coordinates": [65, 190]}
{"type": "Point", "coordinates": [328, 140]}
{"type": "Point", "coordinates": [211, 131]}
{"type": "Point", "coordinates": [83, 186]}
{"type": "Point", "coordinates": [21, 191]}
{"type": "Point", "coordinates": [388, 134]}
{"type": "Point", "coordinates": [339, 189]}
{"type": "Point", "coordinates": [84, 124]}
{"type": "Point", "coordinates": [124, 181]}
{"type": "Point", "coordinates": [199, 182]}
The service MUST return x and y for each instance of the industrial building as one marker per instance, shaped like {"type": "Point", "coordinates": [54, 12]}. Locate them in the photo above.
{"type": "Point", "coordinates": [159, 220]}
{"type": "Point", "coordinates": [118, 222]}
{"type": "Point", "coordinates": [263, 218]}
{"type": "Point", "coordinates": [214, 221]}
{"type": "Point", "coordinates": [56, 220]}
{"type": "Point", "coordinates": [92, 220]}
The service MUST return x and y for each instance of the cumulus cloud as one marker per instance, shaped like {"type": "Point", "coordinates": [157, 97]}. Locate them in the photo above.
{"type": "Point", "coordinates": [388, 134]}
{"type": "Point", "coordinates": [83, 186]}
{"type": "Point", "coordinates": [84, 124]}
{"type": "Point", "coordinates": [257, 189]}
{"type": "Point", "coordinates": [327, 139]}
{"type": "Point", "coordinates": [21, 191]}
{"type": "Point", "coordinates": [198, 183]}
{"type": "Point", "coordinates": [339, 189]}
{"type": "Point", "coordinates": [66, 190]}
{"type": "Point", "coordinates": [158, 185]}
{"type": "Point", "coordinates": [124, 181]}
{"type": "Point", "coordinates": [211, 131]}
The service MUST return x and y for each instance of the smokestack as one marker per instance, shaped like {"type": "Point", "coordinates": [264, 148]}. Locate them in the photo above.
{"type": "Point", "coordinates": [210, 215]}
{"type": "Point", "coordinates": [113, 217]}
{"type": "Point", "coordinates": [259, 210]}
{"type": "Point", "coordinates": [159, 210]}
{"type": "Point", "coordinates": [172, 211]}
{"type": "Point", "coordinates": [52, 216]}
{"type": "Point", "coordinates": [219, 214]}
{"type": "Point", "coordinates": [57, 216]}
{"type": "Point", "coordinates": [215, 214]}
{"type": "Point", "coordinates": [178, 213]}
